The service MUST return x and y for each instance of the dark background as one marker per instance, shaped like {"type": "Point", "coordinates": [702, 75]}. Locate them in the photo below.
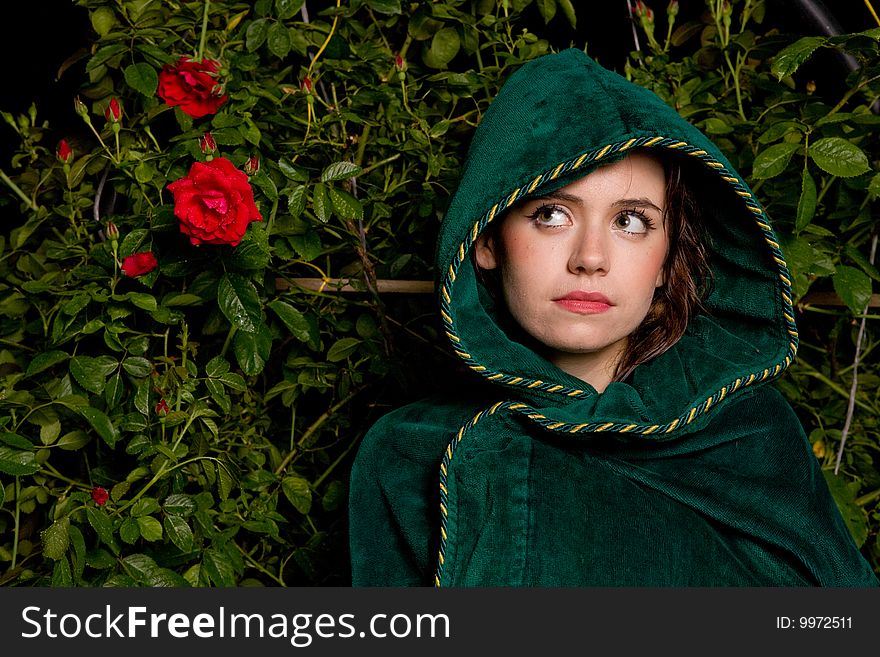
{"type": "Point", "coordinates": [41, 34]}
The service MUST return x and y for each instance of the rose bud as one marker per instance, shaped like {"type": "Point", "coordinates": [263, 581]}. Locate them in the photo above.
{"type": "Point", "coordinates": [112, 231]}
{"type": "Point", "coordinates": [307, 84]}
{"type": "Point", "coordinates": [113, 113]}
{"type": "Point", "coordinates": [252, 165]}
{"type": "Point", "coordinates": [64, 152]}
{"type": "Point", "coordinates": [139, 264]}
{"type": "Point", "coordinates": [644, 12]}
{"type": "Point", "coordinates": [207, 143]}
{"type": "Point", "coordinates": [399, 63]}
{"type": "Point", "coordinates": [672, 9]}
{"type": "Point", "coordinates": [80, 108]}
{"type": "Point", "coordinates": [162, 408]}
{"type": "Point", "coordinates": [100, 495]}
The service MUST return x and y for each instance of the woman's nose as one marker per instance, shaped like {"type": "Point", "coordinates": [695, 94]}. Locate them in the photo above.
{"type": "Point", "coordinates": [589, 252]}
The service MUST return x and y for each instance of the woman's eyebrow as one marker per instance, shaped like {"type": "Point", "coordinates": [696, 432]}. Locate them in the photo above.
{"type": "Point", "coordinates": [637, 203]}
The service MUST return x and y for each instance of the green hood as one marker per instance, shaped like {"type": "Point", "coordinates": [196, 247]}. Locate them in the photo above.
{"type": "Point", "coordinates": [543, 131]}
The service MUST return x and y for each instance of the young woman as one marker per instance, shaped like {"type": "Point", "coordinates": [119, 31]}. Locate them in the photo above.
{"type": "Point", "coordinates": [619, 294]}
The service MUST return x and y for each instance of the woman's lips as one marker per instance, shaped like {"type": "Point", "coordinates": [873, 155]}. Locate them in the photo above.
{"type": "Point", "coordinates": [584, 303]}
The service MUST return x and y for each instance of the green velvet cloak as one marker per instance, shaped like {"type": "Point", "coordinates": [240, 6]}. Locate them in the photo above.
{"type": "Point", "coordinates": [692, 472]}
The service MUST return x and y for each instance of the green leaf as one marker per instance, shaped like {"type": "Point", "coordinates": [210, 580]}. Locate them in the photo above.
{"type": "Point", "coordinates": [17, 462]}
{"type": "Point", "coordinates": [278, 40]}
{"type": "Point", "coordinates": [217, 366]}
{"type": "Point", "coordinates": [873, 190]}
{"type": "Point", "coordinates": [87, 375]}
{"type": "Point", "coordinates": [2, 494]}
{"type": "Point", "coordinates": [806, 208]}
{"type": "Point", "coordinates": [218, 567]}
{"type": "Point", "coordinates": [143, 300]}
{"type": "Point", "coordinates": [100, 522]}
{"type": "Point", "coordinates": [297, 491]}
{"type": "Point", "coordinates": [178, 504]}
{"type": "Point", "coordinates": [789, 59]}
{"type": "Point", "coordinates": [862, 261]}
{"type": "Point", "coordinates": [252, 349]}
{"type": "Point", "coordinates": [240, 302]}
{"type": "Point", "coordinates": [772, 161]}
{"type": "Point", "coordinates": [568, 10]}
{"type": "Point", "coordinates": [256, 34]}
{"type": "Point", "coordinates": [101, 424]}
{"type": "Point", "coordinates": [148, 572]}
{"type": "Point", "coordinates": [138, 367]}
{"type": "Point", "coordinates": [285, 9]}
{"type": "Point", "coordinates": [61, 575]}
{"type": "Point", "coordinates": [179, 532]}
{"type": "Point", "coordinates": [292, 318]}
{"type": "Point", "coordinates": [390, 7]}
{"type": "Point", "coordinates": [345, 205]}
{"type": "Point", "coordinates": [715, 126]}
{"type": "Point", "coordinates": [130, 531]}
{"type": "Point", "coordinates": [444, 47]}
{"type": "Point", "coordinates": [342, 349]}
{"type": "Point", "coordinates": [44, 361]}
{"type": "Point", "coordinates": [144, 507]}
{"type": "Point", "coordinates": [340, 171]}
{"type": "Point", "coordinates": [853, 286]}
{"type": "Point", "coordinates": [150, 528]}
{"type": "Point", "coordinates": [547, 9]}
{"type": "Point", "coordinates": [296, 201]}
{"type": "Point", "coordinates": [56, 538]}
{"type": "Point", "coordinates": [14, 440]}
{"type": "Point", "coordinates": [73, 440]}
{"type": "Point", "coordinates": [839, 157]}
{"type": "Point", "coordinates": [143, 78]}
{"type": "Point", "coordinates": [853, 515]}
{"type": "Point", "coordinates": [321, 202]}
{"type": "Point", "coordinates": [234, 381]}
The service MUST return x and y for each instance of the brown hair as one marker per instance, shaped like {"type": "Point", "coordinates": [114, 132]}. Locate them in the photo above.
{"type": "Point", "coordinates": [686, 273]}
{"type": "Point", "coordinates": [686, 276]}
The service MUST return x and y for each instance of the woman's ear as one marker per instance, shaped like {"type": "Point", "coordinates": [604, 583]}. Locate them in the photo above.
{"type": "Point", "coordinates": [484, 251]}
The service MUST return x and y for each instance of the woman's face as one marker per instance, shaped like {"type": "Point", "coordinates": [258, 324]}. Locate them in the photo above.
{"type": "Point", "coordinates": [579, 266]}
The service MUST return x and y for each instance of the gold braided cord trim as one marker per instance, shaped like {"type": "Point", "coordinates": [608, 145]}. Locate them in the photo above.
{"type": "Point", "coordinates": [723, 393]}
{"type": "Point", "coordinates": [736, 385]}
{"type": "Point", "coordinates": [461, 254]}
{"type": "Point", "coordinates": [601, 153]}
{"type": "Point", "coordinates": [443, 488]}
{"type": "Point", "coordinates": [654, 140]}
{"type": "Point", "coordinates": [575, 393]}
{"type": "Point", "coordinates": [513, 197]}
{"type": "Point", "coordinates": [443, 469]}
{"type": "Point", "coordinates": [775, 245]}
{"type": "Point", "coordinates": [678, 144]}
{"type": "Point", "coordinates": [715, 165]}
{"type": "Point", "coordinates": [536, 416]}
{"type": "Point", "coordinates": [445, 294]}
{"type": "Point", "coordinates": [652, 429]}
{"type": "Point", "coordinates": [556, 425]}
{"type": "Point", "coordinates": [691, 416]}
{"type": "Point", "coordinates": [536, 182]}
{"type": "Point", "coordinates": [555, 388]}
{"type": "Point", "coordinates": [628, 144]}
{"type": "Point", "coordinates": [463, 354]}
{"type": "Point", "coordinates": [516, 407]}
{"type": "Point", "coordinates": [729, 179]}
{"type": "Point", "coordinates": [495, 408]}
{"type": "Point", "coordinates": [475, 231]}
{"type": "Point", "coordinates": [495, 377]}
{"type": "Point", "coordinates": [784, 279]}
{"type": "Point", "coordinates": [556, 171]}
{"type": "Point", "coordinates": [579, 162]}
{"type": "Point", "coordinates": [478, 368]}
{"type": "Point", "coordinates": [492, 213]}
{"type": "Point", "coordinates": [535, 383]}
{"type": "Point", "coordinates": [708, 404]}
{"type": "Point", "coordinates": [453, 337]}
{"type": "Point", "coordinates": [577, 428]}
{"type": "Point", "coordinates": [744, 194]}
{"type": "Point", "coordinates": [605, 427]}
{"type": "Point", "coordinates": [672, 426]}
{"type": "Point", "coordinates": [446, 317]}
{"type": "Point", "coordinates": [629, 427]}
{"type": "Point", "coordinates": [515, 380]}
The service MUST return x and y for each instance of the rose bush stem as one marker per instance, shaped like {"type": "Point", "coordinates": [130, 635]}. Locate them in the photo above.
{"type": "Point", "coordinates": [204, 34]}
{"type": "Point", "coordinates": [15, 188]}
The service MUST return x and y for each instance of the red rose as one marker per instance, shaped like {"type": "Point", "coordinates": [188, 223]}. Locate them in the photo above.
{"type": "Point", "coordinates": [139, 264]}
{"type": "Point", "coordinates": [113, 113]}
{"type": "Point", "coordinates": [214, 202]}
{"type": "Point", "coordinates": [193, 86]}
{"type": "Point", "coordinates": [162, 408]}
{"type": "Point", "coordinates": [64, 152]}
{"type": "Point", "coordinates": [100, 495]}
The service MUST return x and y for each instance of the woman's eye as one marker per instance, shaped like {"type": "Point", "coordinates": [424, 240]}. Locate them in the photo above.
{"type": "Point", "coordinates": [632, 222]}
{"type": "Point", "coordinates": [550, 215]}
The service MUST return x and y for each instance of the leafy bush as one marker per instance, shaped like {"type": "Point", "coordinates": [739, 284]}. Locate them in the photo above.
{"type": "Point", "coordinates": [190, 420]}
